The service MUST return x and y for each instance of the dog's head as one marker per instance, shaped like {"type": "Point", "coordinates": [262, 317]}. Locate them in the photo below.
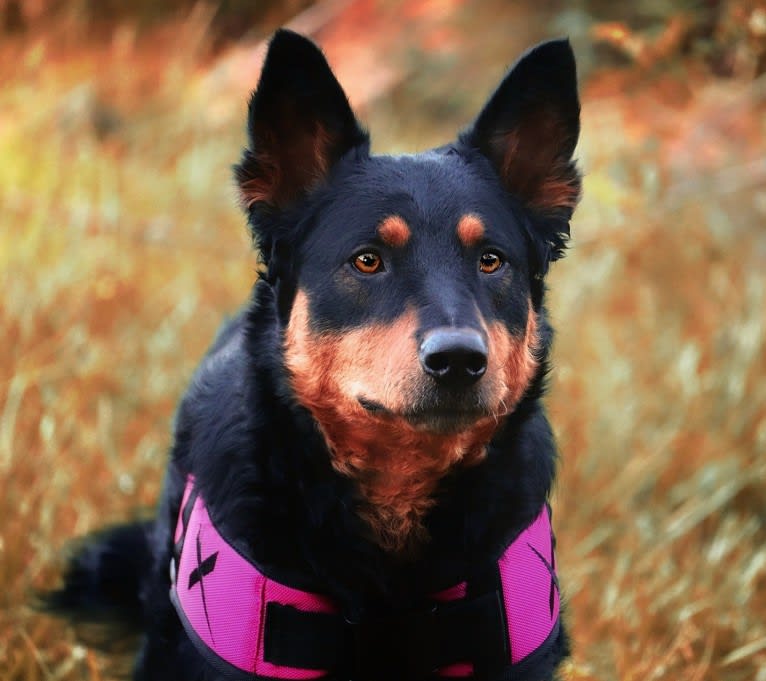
{"type": "Point", "coordinates": [410, 288]}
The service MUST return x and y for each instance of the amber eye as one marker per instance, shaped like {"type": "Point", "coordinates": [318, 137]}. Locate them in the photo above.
{"type": "Point", "coordinates": [490, 262]}
{"type": "Point", "coordinates": [368, 263]}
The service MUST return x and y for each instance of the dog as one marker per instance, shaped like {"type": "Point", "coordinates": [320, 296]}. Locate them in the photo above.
{"type": "Point", "coordinates": [358, 486]}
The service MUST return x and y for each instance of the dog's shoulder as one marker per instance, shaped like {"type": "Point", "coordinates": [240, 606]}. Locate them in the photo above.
{"type": "Point", "coordinates": [216, 399]}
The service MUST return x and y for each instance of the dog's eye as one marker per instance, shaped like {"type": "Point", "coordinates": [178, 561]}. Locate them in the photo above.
{"type": "Point", "coordinates": [368, 262]}
{"type": "Point", "coordinates": [490, 262]}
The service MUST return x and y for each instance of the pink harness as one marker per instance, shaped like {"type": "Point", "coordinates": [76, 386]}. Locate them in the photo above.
{"type": "Point", "coordinates": [251, 626]}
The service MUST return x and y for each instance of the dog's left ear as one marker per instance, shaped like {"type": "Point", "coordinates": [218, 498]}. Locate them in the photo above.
{"type": "Point", "coordinates": [299, 125]}
{"type": "Point", "coordinates": [528, 130]}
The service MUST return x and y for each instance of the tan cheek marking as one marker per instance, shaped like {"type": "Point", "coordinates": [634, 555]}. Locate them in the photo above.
{"type": "Point", "coordinates": [394, 231]}
{"type": "Point", "coordinates": [470, 230]}
{"type": "Point", "coordinates": [377, 362]}
{"type": "Point", "coordinates": [512, 362]}
{"type": "Point", "coordinates": [299, 346]}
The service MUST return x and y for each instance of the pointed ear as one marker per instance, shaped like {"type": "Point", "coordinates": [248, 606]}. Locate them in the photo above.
{"type": "Point", "coordinates": [299, 124]}
{"type": "Point", "coordinates": [529, 128]}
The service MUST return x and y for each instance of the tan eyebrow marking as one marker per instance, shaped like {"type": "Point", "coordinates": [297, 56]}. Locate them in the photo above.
{"type": "Point", "coordinates": [470, 230]}
{"type": "Point", "coordinates": [394, 231]}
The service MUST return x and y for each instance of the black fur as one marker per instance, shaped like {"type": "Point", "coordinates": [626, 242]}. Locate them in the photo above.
{"type": "Point", "coordinates": [313, 195]}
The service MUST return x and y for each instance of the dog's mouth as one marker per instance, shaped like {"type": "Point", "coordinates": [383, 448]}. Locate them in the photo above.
{"type": "Point", "coordinates": [372, 406]}
{"type": "Point", "coordinates": [448, 416]}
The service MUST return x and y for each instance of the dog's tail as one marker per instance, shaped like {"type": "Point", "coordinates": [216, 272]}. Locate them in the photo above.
{"type": "Point", "coordinates": [103, 583]}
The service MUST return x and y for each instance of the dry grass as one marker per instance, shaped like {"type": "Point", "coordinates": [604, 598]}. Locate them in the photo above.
{"type": "Point", "coordinates": [121, 247]}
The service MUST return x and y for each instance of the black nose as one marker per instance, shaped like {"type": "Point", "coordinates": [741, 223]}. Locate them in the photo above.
{"type": "Point", "coordinates": [454, 357]}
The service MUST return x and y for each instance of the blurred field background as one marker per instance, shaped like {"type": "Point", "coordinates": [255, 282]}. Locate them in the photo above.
{"type": "Point", "coordinates": [121, 247]}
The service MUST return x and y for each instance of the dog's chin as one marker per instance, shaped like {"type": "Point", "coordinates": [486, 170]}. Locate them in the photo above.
{"type": "Point", "coordinates": [437, 419]}
{"type": "Point", "coordinates": [445, 421]}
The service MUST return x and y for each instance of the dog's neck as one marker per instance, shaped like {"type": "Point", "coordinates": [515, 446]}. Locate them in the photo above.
{"type": "Point", "coordinates": [397, 467]}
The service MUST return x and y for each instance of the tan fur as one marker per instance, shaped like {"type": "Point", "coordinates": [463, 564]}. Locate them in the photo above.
{"type": "Point", "coordinates": [470, 230]}
{"type": "Point", "coordinates": [512, 360]}
{"type": "Point", "coordinates": [396, 464]}
{"type": "Point", "coordinates": [394, 231]}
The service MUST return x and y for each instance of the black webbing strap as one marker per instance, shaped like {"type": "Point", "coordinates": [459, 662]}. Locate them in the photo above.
{"type": "Point", "coordinates": [184, 520]}
{"type": "Point", "coordinates": [306, 640]}
{"type": "Point", "coordinates": [411, 646]}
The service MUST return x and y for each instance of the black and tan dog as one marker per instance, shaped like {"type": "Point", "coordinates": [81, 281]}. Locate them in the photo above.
{"type": "Point", "coordinates": [359, 479]}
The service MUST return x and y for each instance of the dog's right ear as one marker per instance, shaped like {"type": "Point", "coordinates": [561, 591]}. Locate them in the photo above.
{"type": "Point", "coordinates": [299, 124]}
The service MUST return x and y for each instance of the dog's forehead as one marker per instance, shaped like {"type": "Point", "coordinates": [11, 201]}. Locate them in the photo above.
{"type": "Point", "coordinates": [430, 191]}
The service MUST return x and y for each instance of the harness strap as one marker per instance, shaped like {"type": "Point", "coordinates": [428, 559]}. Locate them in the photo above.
{"type": "Point", "coordinates": [413, 645]}
{"type": "Point", "coordinates": [304, 640]}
